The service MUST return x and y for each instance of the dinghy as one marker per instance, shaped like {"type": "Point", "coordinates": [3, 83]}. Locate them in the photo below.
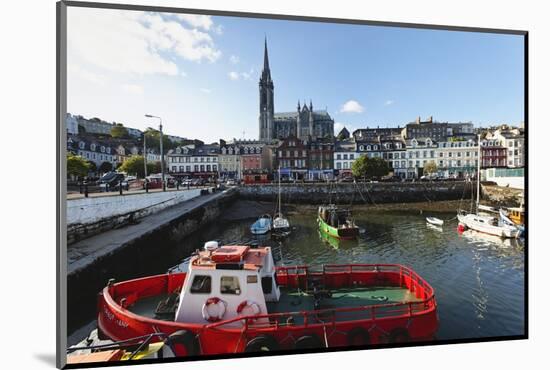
{"type": "Point", "coordinates": [262, 225]}
{"type": "Point", "coordinates": [434, 221]}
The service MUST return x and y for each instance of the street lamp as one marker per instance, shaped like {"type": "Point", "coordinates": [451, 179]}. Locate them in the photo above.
{"type": "Point", "coordinates": [161, 150]}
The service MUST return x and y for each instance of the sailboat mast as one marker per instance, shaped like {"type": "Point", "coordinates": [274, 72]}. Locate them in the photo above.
{"type": "Point", "coordinates": [478, 169]}
{"type": "Point", "coordinates": [279, 191]}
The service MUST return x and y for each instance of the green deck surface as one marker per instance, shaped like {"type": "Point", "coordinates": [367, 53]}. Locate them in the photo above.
{"type": "Point", "coordinates": [296, 301]}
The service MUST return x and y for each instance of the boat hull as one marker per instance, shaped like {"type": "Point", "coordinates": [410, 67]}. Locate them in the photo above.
{"type": "Point", "coordinates": [470, 221]}
{"type": "Point", "coordinates": [415, 320]}
{"type": "Point", "coordinates": [340, 233]}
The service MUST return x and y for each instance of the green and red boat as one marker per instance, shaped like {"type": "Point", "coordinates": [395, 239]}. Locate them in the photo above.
{"type": "Point", "coordinates": [337, 222]}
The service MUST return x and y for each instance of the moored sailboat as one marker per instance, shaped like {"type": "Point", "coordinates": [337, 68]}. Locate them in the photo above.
{"type": "Point", "coordinates": [482, 222]}
{"type": "Point", "coordinates": [281, 225]}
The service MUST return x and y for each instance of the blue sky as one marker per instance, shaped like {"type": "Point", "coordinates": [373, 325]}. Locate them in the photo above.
{"type": "Point", "coordinates": [201, 73]}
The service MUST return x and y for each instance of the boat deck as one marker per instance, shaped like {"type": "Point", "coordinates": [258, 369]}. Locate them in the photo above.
{"type": "Point", "coordinates": [297, 301]}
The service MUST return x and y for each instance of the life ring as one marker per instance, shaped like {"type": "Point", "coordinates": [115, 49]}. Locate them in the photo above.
{"type": "Point", "coordinates": [221, 309]}
{"type": "Point", "coordinates": [255, 307]}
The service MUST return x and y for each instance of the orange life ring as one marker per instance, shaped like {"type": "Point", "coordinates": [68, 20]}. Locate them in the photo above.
{"type": "Point", "coordinates": [221, 309]}
{"type": "Point", "coordinates": [255, 307]}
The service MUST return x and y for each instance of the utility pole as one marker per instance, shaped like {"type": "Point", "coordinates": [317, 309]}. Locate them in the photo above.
{"type": "Point", "coordinates": [161, 150]}
{"type": "Point", "coordinates": [144, 157]}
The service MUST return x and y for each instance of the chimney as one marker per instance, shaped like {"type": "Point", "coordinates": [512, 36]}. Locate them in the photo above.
{"type": "Point", "coordinates": [430, 119]}
{"type": "Point", "coordinates": [418, 119]}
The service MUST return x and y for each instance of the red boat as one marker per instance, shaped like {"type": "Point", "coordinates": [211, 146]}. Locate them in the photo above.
{"type": "Point", "coordinates": [234, 299]}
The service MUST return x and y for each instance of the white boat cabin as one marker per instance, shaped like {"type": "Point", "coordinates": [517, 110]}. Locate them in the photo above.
{"type": "Point", "coordinates": [227, 282]}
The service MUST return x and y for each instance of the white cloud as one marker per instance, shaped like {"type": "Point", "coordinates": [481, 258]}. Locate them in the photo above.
{"type": "Point", "coordinates": [133, 88]}
{"type": "Point", "coordinates": [74, 70]}
{"type": "Point", "coordinates": [351, 106]}
{"type": "Point", "coordinates": [235, 76]}
{"type": "Point", "coordinates": [135, 42]}
{"type": "Point", "coordinates": [234, 59]}
{"type": "Point", "coordinates": [218, 30]}
{"type": "Point", "coordinates": [205, 90]}
{"type": "Point", "coordinates": [389, 102]}
{"type": "Point", "coordinates": [197, 20]}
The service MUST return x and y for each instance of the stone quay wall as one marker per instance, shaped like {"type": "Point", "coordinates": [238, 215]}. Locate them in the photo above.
{"type": "Point", "coordinates": [90, 216]}
{"type": "Point", "coordinates": [361, 193]}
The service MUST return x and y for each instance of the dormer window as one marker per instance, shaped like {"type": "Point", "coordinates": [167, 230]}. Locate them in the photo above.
{"type": "Point", "coordinates": [81, 145]}
{"type": "Point", "coordinates": [368, 147]}
{"type": "Point", "coordinates": [102, 149]}
{"type": "Point", "coordinates": [223, 150]}
{"type": "Point", "coordinates": [108, 150]}
{"type": "Point", "coordinates": [92, 147]}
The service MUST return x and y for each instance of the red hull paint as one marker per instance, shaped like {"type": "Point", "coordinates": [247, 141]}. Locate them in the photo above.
{"type": "Point", "coordinates": [418, 319]}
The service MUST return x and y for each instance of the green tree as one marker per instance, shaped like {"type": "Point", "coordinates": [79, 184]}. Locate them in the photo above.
{"type": "Point", "coordinates": [105, 167]}
{"type": "Point", "coordinates": [152, 138]}
{"type": "Point", "coordinates": [369, 167]}
{"type": "Point", "coordinates": [119, 131]}
{"type": "Point", "coordinates": [134, 166]}
{"type": "Point", "coordinates": [77, 166]}
{"type": "Point", "coordinates": [430, 167]}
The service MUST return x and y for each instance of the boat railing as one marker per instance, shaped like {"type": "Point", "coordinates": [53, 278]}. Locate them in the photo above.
{"type": "Point", "coordinates": [327, 317]}
{"type": "Point", "coordinates": [332, 316]}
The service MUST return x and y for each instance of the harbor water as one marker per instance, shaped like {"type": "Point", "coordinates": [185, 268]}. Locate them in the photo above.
{"type": "Point", "coordinates": [478, 279]}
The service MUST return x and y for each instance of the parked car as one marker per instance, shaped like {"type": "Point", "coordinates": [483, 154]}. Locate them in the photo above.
{"type": "Point", "coordinates": [231, 182]}
{"type": "Point", "coordinates": [111, 181]}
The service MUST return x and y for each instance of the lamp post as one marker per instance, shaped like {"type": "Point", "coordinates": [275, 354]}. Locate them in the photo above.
{"type": "Point", "coordinates": [144, 157]}
{"type": "Point", "coordinates": [161, 150]}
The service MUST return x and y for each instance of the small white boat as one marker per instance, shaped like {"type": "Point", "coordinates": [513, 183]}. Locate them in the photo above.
{"type": "Point", "coordinates": [281, 225]}
{"type": "Point", "coordinates": [262, 225]}
{"type": "Point", "coordinates": [434, 221]}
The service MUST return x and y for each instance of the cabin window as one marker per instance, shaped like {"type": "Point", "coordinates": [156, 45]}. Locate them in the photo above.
{"type": "Point", "coordinates": [251, 279]}
{"type": "Point", "coordinates": [267, 284]}
{"type": "Point", "coordinates": [230, 285]}
{"type": "Point", "coordinates": [201, 284]}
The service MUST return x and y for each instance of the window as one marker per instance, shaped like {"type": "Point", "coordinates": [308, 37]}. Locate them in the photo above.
{"type": "Point", "coordinates": [201, 284]}
{"type": "Point", "coordinates": [230, 285]}
{"type": "Point", "coordinates": [351, 156]}
{"type": "Point", "coordinates": [338, 156]}
{"type": "Point", "coordinates": [345, 156]}
{"type": "Point", "coordinates": [338, 165]}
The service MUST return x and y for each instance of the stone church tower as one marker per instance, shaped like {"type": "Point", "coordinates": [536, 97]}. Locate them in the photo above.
{"type": "Point", "coordinates": [266, 101]}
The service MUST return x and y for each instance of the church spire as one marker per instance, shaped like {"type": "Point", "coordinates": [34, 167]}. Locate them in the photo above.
{"type": "Point", "coordinates": [266, 73]}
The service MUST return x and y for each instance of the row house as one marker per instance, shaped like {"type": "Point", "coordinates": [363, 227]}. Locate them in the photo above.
{"type": "Point", "coordinates": [194, 161]}
{"type": "Point", "coordinates": [229, 160]}
{"type": "Point", "coordinates": [344, 155]}
{"type": "Point", "coordinates": [437, 131]}
{"type": "Point", "coordinates": [419, 152]}
{"type": "Point", "coordinates": [493, 154]}
{"type": "Point", "coordinates": [514, 141]}
{"type": "Point", "coordinates": [364, 134]}
{"type": "Point", "coordinates": [292, 158]}
{"type": "Point", "coordinates": [92, 150]}
{"type": "Point", "coordinates": [394, 152]}
{"type": "Point", "coordinates": [457, 158]}
{"type": "Point", "coordinates": [125, 151]}
{"type": "Point", "coordinates": [320, 159]}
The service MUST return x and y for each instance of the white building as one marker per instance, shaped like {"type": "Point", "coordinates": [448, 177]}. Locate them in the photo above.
{"type": "Point", "coordinates": [344, 155]}
{"type": "Point", "coordinates": [457, 158]}
{"type": "Point", "coordinates": [194, 160]}
{"type": "Point", "coordinates": [72, 124]}
{"type": "Point", "coordinates": [419, 152]}
{"type": "Point", "coordinates": [93, 151]}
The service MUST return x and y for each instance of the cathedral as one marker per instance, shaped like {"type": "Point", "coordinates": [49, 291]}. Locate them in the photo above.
{"type": "Point", "coordinates": [304, 123]}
